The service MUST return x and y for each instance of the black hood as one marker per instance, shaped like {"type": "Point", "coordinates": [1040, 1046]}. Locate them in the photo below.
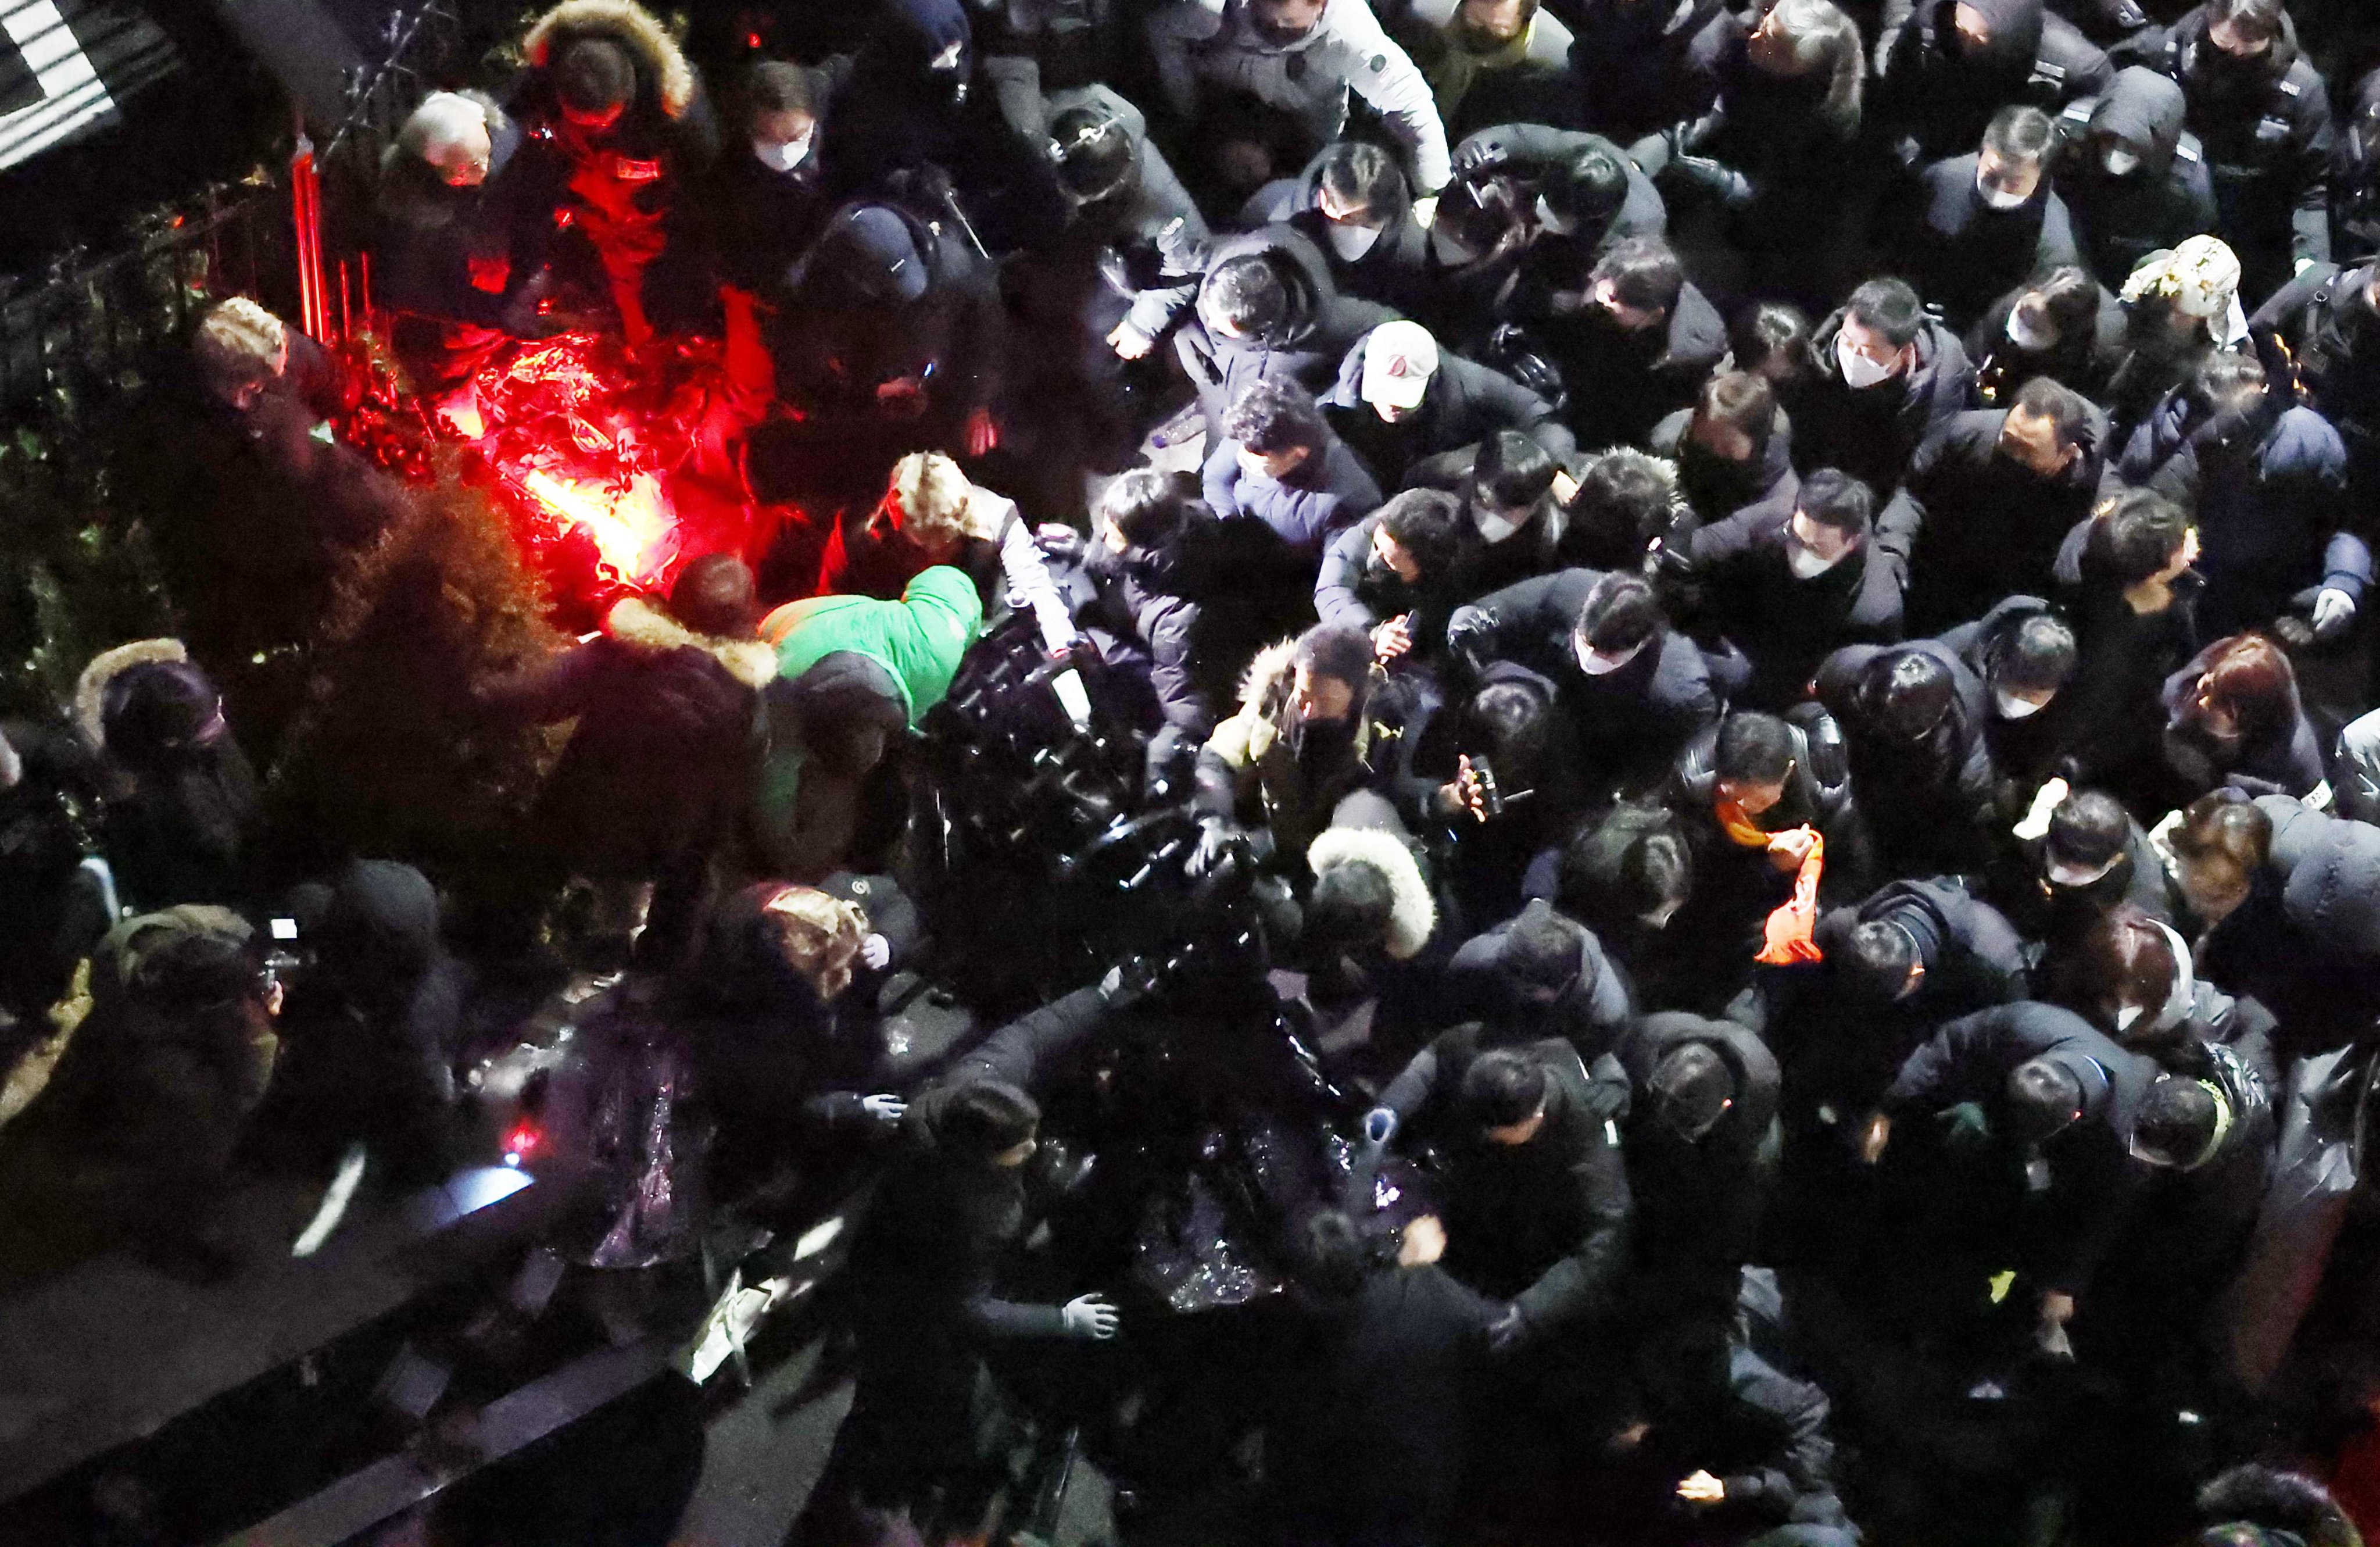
{"type": "Point", "coordinates": [2014, 28]}
{"type": "Point", "coordinates": [1754, 1066]}
{"type": "Point", "coordinates": [2198, 56]}
{"type": "Point", "coordinates": [909, 35]}
{"type": "Point", "coordinates": [381, 928]}
{"type": "Point", "coordinates": [2144, 111]}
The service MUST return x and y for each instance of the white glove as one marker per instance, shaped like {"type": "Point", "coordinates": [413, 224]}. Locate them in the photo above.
{"type": "Point", "coordinates": [1089, 1316]}
{"type": "Point", "coordinates": [2333, 610]}
{"type": "Point", "coordinates": [884, 1108]}
{"type": "Point", "coordinates": [2045, 800]}
{"type": "Point", "coordinates": [1380, 1127]}
{"type": "Point", "coordinates": [876, 951]}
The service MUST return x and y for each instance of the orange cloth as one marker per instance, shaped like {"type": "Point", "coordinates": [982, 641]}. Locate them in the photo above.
{"type": "Point", "coordinates": [1788, 935]}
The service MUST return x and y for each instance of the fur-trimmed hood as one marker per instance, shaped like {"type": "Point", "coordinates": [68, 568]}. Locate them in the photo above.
{"type": "Point", "coordinates": [639, 625]}
{"type": "Point", "coordinates": [1411, 913]}
{"type": "Point", "coordinates": [90, 688]}
{"type": "Point", "coordinates": [660, 62]}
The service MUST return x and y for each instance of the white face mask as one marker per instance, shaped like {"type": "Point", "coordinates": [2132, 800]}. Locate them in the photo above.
{"type": "Point", "coordinates": [781, 157]}
{"type": "Point", "coordinates": [1493, 527]}
{"type": "Point", "coordinates": [2000, 198]}
{"type": "Point", "coordinates": [2014, 708]}
{"type": "Point", "coordinates": [1595, 663]}
{"type": "Point", "coordinates": [1859, 371]}
{"type": "Point", "coordinates": [1553, 220]}
{"type": "Point", "coordinates": [2025, 335]}
{"type": "Point", "coordinates": [1352, 242]}
{"type": "Point", "coordinates": [1807, 564]}
{"type": "Point", "coordinates": [2121, 162]}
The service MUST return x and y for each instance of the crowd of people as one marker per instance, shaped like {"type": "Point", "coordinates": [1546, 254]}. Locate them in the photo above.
{"type": "Point", "coordinates": [1768, 603]}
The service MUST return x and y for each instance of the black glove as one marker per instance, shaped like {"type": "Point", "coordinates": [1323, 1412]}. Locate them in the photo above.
{"type": "Point", "coordinates": [1482, 155]}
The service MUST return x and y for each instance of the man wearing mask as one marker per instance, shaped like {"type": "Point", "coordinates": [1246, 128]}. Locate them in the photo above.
{"type": "Point", "coordinates": [1990, 496]}
{"type": "Point", "coordinates": [1634, 691]}
{"type": "Point", "coordinates": [2134, 180]}
{"type": "Point", "coordinates": [2263, 112]}
{"type": "Point", "coordinates": [1635, 344]}
{"type": "Point", "coordinates": [1308, 736]}
{"type": "Point", "coordinates": [1887, 375]}
{"type": "Point", "coordinates": [1514, 525]}
{"type": "Point", "coordinates": [1733, 448]}
{"type": "Point", "coordinates": [911, 110]}
{"type": "Point", "coordinates": [1788, 586]}
{"type": "Point", "coordinates": [618, 124]}
{"type": "Point", "coordinates": [1302, 57]}
{"type": "Point", "coordinates": [1268, 307]}
{"type": "Point", "coordinates": [1392, 576]}
{"type": "Point", "coordinates": [1355, 206]}
{"type": "Point", "coordinates": [1989, 222]}
{"type": "Point", "coordinates": [1953, 64]}
{"type": "Point", "coordinates": [1417, 414]}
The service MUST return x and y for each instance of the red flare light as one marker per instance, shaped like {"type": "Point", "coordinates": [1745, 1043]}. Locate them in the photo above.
{"type": "Point", "coordinates": [631, 527]}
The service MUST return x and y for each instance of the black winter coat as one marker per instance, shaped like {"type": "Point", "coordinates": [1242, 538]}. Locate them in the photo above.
{"type": "Point", "coordinates": [1783, 625]}
{"type": "Point", "coordinates": [1940, 94]}
{"type": "Point", "coordinates": [1699, 1202]}
{"type": "Point", "coordinates": [2094, 1179]}
{"type": "Point", "coordinates": [1464, 404]}
{"type": "Point", "coordinates": [2326, 318]}
{"type": "Point", "coordinates": [1623, 384]}
{"type": "Point", "coordinates": [2155, 205]}
{"type": "Point", "coordinates": [1644, 68]}
{"type": "Point", "coordinates": [1630, 722]}
{"type": "Point", "coordinates": [1963, 253]}
{"type": "Point", "coordinates": [1873, 432]}
{"type": "Point", "coordinates": [1933, 801]}
{"type": "Point", "coordinates": [1311, 342]}
{"type": "Point", "coordinates": [1544, 1223]}
{"type": "Point", "coordinates": [1974, 526]}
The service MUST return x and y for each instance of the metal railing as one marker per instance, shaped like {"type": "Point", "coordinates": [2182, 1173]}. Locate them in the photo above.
{"type": "Point", "coordinates": [93, 327]}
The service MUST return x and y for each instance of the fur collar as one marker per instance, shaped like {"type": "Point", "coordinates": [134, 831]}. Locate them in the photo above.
{"type": "Point", "coordinates": [90, 688]}
{"type": "Point", "coordinates": [1412, 913]}
{"type": "Point", "coordinates": [1266, 682]}
{"type": "Point", "coordinates": [625, 23]}
{"type": "Point", "coordinates": [639, 625]}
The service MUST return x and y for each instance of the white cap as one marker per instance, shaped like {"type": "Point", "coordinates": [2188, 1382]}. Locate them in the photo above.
{"type": "Point", "coordinates": [1398, 359]}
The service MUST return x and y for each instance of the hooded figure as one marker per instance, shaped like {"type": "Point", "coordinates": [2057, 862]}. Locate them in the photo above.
{"type": "Point", "coordinates": [1640, 67]}
{"type": "Point", "coordinates": [181, 810]}
{"type": "Point", "coordinates": [2134, 179]}
{"type": "Point", "coordinates": [2052, 1182]}
{"type": "Point", "coordinates": [612, 163]}
{"type": "Point", "coordinates": [1939, 87]}
{"type": "Point", "coordinates": [131, 1142]}
{"type": "Point", "coordinates": [2264, 121]}
{"type": "Point", "coordinates": [371, 1034]}
{"type": "Point", "coordinates": [1538, 975]}
{"type": "Point", "coordinates": [2267, 481]}
{"type": "Point", "coordinates": [914, 112]}
{"type": "Point", "coordinates": [1702, 1146]}
{"type": "Point", "coordinates": [891, 339]}
{"type": "Point", "coordinates": [2306, 941]}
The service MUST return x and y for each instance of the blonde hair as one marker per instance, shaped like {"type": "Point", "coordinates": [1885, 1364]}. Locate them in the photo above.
{"type": "Point", "coordinates": [239, 342]}
{"type": "Point", "coordinates": [821, 936]}
{"type": "Point", "coordinates": [931, 495]}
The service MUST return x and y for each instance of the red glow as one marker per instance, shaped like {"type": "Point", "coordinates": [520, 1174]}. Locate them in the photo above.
{"type": "Point", "coordinates": [611, 465]}
{"type": "Point", "coordinates": [522, 1141]}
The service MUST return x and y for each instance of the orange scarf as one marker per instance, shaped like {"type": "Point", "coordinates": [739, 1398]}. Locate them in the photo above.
{"type": "Point", "coordinates": [1788, 936]}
